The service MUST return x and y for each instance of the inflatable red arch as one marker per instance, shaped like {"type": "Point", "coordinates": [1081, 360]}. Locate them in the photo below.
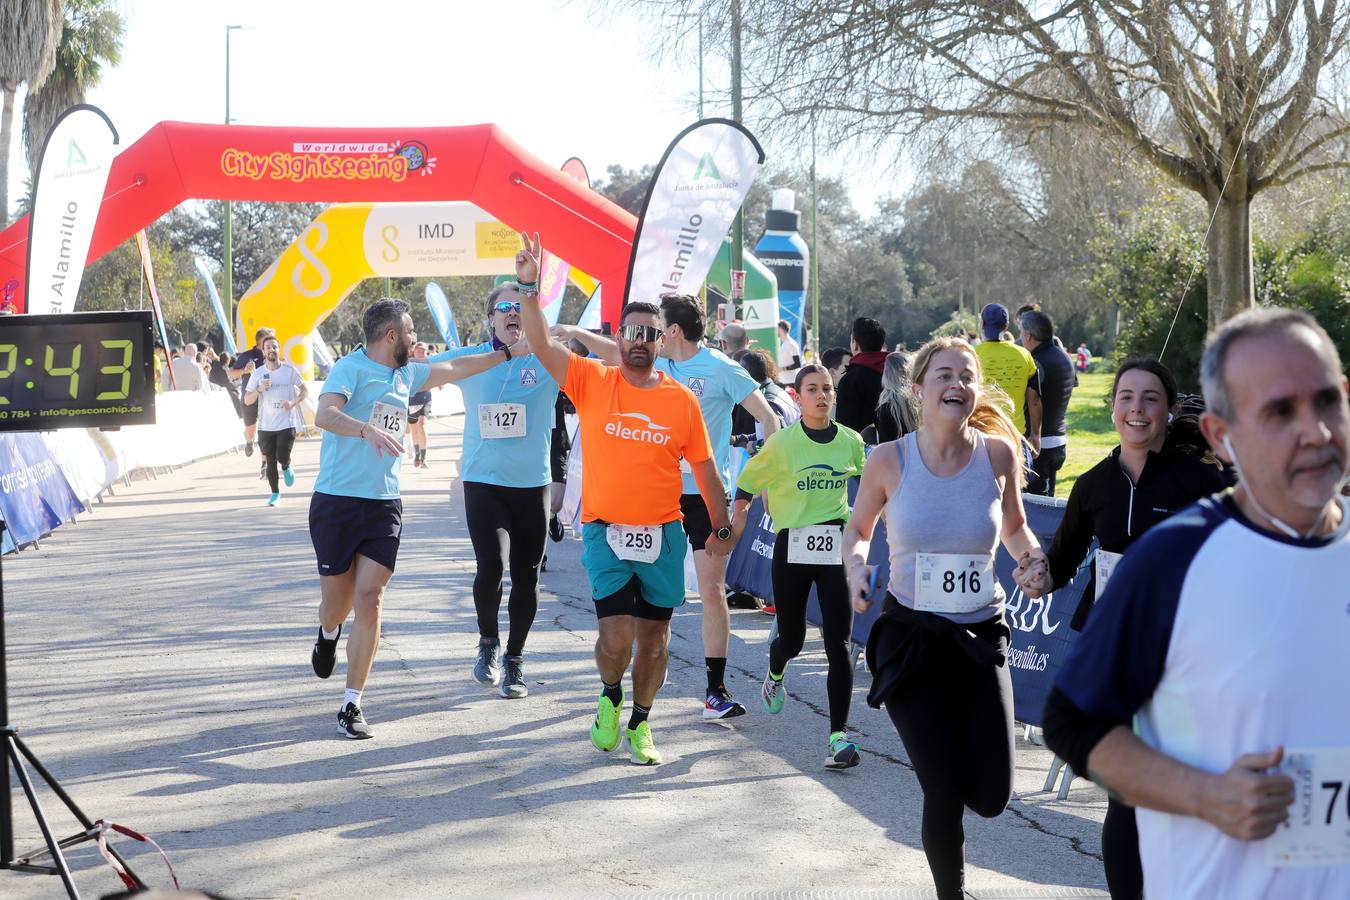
{"type": "Point", "coordinates": [177, 161]}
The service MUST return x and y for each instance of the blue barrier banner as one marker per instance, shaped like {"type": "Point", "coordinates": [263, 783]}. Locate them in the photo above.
{"type": "Point", "coordinates": [34, 494]}
{"type": "Point", "coordinates": [1041, 637]}
{"type": "Point", "coordinates": [750, 568]}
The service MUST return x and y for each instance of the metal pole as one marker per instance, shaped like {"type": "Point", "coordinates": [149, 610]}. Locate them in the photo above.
{"type": "Point", "coordinates": [229, 206]}
{"type": "Point", "coordinates": [700, 65]}
{"type": "Point", "coordinates": [738, 226]}
{"type": "Point", "coordinates": [815, 257]}
{"type": "Point", "coordinates": [6, 802]}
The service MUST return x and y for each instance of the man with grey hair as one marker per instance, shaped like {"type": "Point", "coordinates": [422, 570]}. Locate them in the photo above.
{"type": "Point", "coordinates": [1222, 635]}
{"type": "Point", "coordinates": [505, 476]}
{"type": "Point", "coordinates": [734, 338]}
{"type": "Point", "coordinates": [356, 516]}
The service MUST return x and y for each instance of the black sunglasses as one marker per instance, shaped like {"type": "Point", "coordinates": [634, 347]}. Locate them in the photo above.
{"type": "Point", "coordinates": [644, 333]}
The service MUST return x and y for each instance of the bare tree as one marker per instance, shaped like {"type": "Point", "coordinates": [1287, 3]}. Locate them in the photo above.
{"type": "Point", "coordinates": [30, 31]}
{"type": "Point", "coordinates": [1226, 98]}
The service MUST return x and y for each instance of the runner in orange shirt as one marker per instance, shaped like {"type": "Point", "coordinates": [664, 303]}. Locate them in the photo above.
{"type": "Point", "coordinates": [636, 424]}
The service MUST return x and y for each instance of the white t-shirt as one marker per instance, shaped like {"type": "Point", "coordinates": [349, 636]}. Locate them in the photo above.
{"type": "Point", "coordinates": [1220, 640]}
{"type": "Point", "coordinates": [788, 350]}
{"type": "Point", "coordinates": [283, 385]}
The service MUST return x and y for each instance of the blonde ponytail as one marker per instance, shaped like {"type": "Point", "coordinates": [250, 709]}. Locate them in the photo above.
{"type": "Point", "coordinates": [990, 415]}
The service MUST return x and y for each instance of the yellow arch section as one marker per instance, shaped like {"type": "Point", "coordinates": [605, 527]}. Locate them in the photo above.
{"type": "Point", "coordinates": [350, 242]}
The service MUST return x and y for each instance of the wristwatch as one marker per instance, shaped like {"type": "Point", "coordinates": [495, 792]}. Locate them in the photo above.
{"type": "Point", "coordinates": [723, 533]}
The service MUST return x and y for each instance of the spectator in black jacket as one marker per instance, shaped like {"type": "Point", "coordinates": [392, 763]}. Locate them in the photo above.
{"type": "Point", "coordinates": [1056, 377]}
{"type": "Point", "coordinates": [860, 388]}
{"type": "Point", "coordinates": [1156, 470]}
{"type": "Point", "coordinates": [745, 430]}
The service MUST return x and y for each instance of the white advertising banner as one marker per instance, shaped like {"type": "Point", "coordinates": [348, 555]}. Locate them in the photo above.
{"type": "Point", "coordinates": [699, 185]}
{"type": "Point", "coordinates": [423, 239]}
{"type": "Point", "coordinates": [68, 190]}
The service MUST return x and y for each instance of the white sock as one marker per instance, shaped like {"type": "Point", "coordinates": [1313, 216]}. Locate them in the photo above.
{"type": "Point", "coordinates": [329, 635]}
{"type": "Point", "coordinates": [351, 696]}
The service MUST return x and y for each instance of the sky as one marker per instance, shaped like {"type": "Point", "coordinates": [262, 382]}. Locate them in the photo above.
{"type": "Point", "coordinates": [559, 80]}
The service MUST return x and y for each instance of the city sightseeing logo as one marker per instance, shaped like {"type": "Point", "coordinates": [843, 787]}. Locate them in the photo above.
{"type": "Point", "coordinates": [340, 160]}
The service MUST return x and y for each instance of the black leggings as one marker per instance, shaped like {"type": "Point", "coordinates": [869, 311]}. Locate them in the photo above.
{"type": "Point", "coordinates": [791, 588]}
{"type": "Point", "coordinates": [1120, 852]}
{"type": "Point", "coordinates": [276, 448]}
{"type": "Point", "coordinates": [955, 717]}
{"type": "Point", "coordinates": [507, 525]}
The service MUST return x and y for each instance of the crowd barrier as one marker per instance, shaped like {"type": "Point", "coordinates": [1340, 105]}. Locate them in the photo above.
{"type": "Point", "coordinates": [1041, 637]}
{"type": "Point", "coordinates": [48, 478]}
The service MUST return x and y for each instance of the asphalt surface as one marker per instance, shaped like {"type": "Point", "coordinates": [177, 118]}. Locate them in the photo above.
{"type": "Point", "coordinates": [158, 665]}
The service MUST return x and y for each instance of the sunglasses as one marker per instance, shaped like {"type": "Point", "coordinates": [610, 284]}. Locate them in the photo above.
{"type": "Point", "coordinates": [506, 306]}
{"type": "Point", "coordinates": [644, 333]}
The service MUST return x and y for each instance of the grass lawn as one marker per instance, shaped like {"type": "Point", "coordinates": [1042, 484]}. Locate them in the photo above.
{"type": "Point", "coordinates": [1091, 435]}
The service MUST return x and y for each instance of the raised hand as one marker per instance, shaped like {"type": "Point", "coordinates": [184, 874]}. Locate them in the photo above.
{"type": "Point", "coordinates": [527, 259]}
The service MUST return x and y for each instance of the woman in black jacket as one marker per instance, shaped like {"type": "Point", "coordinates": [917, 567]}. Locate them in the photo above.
{"type": "Point", "coordinates": [1155, 471]}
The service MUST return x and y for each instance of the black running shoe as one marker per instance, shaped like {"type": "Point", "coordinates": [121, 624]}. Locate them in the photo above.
{"type": "Point", "coordinates": [324, 655]}
{"type": "Point", "coordinates": [555, 529]}
{"type": "Point", "coordinates": [248, 448]}
{"type": "Point", "coordinates": [352, 724]}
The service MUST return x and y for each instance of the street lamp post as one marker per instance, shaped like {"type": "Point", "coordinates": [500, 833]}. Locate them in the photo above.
{"type": "Point", "coordinates": [229, 205]}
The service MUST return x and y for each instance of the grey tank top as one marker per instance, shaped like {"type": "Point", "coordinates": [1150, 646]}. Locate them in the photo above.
{"type": "Point", "coordinates": [962, 513]}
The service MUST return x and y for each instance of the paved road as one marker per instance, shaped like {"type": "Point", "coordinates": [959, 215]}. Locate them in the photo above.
{"type": "Point", "coordinates": [159, 666]}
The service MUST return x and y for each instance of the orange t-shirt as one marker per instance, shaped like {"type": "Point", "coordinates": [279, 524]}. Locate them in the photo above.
{"type": "Point", "coordinates": [631, 442]}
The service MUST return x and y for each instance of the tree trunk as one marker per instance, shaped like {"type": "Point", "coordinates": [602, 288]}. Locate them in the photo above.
{"type": "Point", "coordinates": [1229, 248]}
{"type": "Point", "coordinates": [10, 88]}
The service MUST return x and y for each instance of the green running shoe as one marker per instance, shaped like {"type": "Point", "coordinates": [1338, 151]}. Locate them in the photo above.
{"type": "Point", "coordinates": [774, 693]}
{"type": "Point", "coordinates": [843, 752]}
{"type": "Point", "coordinates": [640, 744]}
{"type": "Point", "coordinates": [605, 728]}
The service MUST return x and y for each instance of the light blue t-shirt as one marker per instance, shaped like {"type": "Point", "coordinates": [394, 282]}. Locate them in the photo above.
{"type": "Point", "coordinates": [348, 467]}
{"type": "Point", "coordinates": [719, 383]}
{"type": "Point", "coordinates": [507, 461]}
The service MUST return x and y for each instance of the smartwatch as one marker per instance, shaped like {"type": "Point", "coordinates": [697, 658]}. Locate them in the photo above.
{"type": "Point", "coordinates": [723, 533]}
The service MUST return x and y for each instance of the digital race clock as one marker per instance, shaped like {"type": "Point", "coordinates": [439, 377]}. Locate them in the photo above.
{"type": "Point", "coordinates": [81, 369]}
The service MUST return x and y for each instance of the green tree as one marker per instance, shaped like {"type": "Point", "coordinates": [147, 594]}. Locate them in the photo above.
{"type": "Point", "coordinates": [30, 31]}
{"type": "Point", "coordinates": [91, 37]}
{"type": "Point", "coordinates": [1227, 99]}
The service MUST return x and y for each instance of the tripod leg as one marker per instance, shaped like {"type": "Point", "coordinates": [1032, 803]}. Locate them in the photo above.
{"type": "Point", "coordinates": [11, 748]}
{"type": "Point", "coordinates": [71, 805]}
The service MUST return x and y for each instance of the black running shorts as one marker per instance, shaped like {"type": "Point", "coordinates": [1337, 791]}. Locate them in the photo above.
{"type": "Point", "coordinates": [250, 414]}
{"type": "Point", "coordinates": [342, 527]}
{"type": "Point", "coordinates": [697, 524]}
{"type": "Point", "coordinates": [628, 601]}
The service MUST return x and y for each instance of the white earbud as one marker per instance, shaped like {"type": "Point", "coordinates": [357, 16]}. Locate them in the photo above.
{"type": "Point", "coordinates": [919, 394]}
{"type": "Point", "coordinates": [1227, 445]}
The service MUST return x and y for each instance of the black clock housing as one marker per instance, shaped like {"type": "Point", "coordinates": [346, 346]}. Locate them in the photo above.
{"type": "Point", "coordinates": [76, 370]}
